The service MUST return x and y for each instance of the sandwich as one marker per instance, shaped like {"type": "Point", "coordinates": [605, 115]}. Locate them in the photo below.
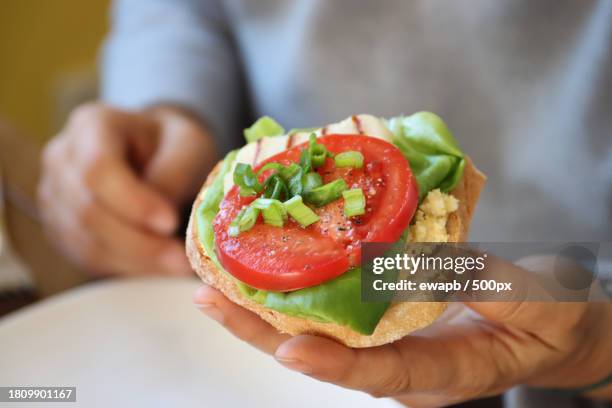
{"type": "Point", "coordinates": [278, 224]}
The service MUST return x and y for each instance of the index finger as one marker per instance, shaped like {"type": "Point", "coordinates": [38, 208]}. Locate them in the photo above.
{"type": "Point", "coordinates": [107, 173]}
{"type": "Point", "coordinates": [529, 305]}
{"type": "Point", "coordinates": [241, 322]}
{"type": "Point", "coordinates": [116, 187]}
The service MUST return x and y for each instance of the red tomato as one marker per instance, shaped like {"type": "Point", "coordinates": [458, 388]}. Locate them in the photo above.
{"type": "Point", "coordinates": [292, 257]}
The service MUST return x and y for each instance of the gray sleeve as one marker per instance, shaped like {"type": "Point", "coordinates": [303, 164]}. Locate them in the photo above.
{"type": "Point", "coordinates": [177, 52]}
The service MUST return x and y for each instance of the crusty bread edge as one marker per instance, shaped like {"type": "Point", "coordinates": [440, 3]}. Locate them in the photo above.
{"type": "Point", "coordinates": [399, 320]}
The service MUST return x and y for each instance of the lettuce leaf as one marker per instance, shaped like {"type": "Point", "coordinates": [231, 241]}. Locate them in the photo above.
{"type": "Point", "coordinates": [209, 207]}
{"type": "Point", "coordinates": [263, 127]}
{"type": "Point", "coordinates": [430, 148]}
{"type": "Point", "coordinates": [335, 301]}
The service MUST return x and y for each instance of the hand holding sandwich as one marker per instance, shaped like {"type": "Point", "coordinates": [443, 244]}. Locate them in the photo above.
{"type": "Point", "coordinates": [548, 345]}
{"type": "Point", "coordinates": [276, 232]}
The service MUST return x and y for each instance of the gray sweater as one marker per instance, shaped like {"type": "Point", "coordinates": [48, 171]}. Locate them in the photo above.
{"type": "Point", "coordinates": [526, 86]}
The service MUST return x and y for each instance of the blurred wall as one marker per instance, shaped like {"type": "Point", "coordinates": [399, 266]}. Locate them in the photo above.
{"type": "Point", "coordinates": [48, 52]}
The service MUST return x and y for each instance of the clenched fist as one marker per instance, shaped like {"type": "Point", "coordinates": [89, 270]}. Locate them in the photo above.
{"type": "Point", "coordinates": [113, 183]}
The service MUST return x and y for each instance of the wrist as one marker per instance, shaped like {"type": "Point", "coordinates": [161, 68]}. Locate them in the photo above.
{"type": "Point", "coordinates": [587, 367]}
{"type": "Point", "coordinates": [601, 357]}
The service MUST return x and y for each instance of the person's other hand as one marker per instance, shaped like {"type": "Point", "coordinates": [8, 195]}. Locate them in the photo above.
{"type": "Point", "coordinates": [113, 183]}
{"type": "Point", "coordinates": [472, 355]}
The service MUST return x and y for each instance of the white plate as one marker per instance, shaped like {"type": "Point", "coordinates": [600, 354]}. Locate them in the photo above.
{"type": "Point", "coordinates": [142, 343]}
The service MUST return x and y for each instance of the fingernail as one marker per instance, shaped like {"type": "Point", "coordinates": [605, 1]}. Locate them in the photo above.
{"type": "Point", "coordinates": [199, 293]}
{"type": "Point", "coordinates": [295, 364]}
{"type": "Point", "coordinates": [212, 311]}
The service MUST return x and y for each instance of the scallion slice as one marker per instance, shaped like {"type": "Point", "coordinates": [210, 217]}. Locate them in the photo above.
{"type": "Point", "coordinates": [287, 172]}
{"type": "Point", "coordinates": [284, 178]}
{"type": "Point", "coordinates": [319, 154]}
{"type": "Point", "coordinates": [306, 160]}
{"type": "Point", "coordinates": [270, 166]}
{"type": "Point", "coordinates": [273, 211]}
{"type": "Point", "coordinates": [248, 218]}
{"type": "Point", "coordinates": [300, 212]}
{"type": "Point", "coordinates": [314, 156]}
{"type": "Point", "coordinates": [275, 187]}
{"type": "Point", "coordinates": [234, 229]}
{"type": "Point", "coordinates": [244, 221]}
{"type": "Point", "coordinates": [295, 183]}
{"type": "Point", "coordinates": [349, 159]}
{"type": "Point", "coordinates": [246, 179]}
{"type": "Point", "coordinates": [354, 202]}
{"type": "Point", "coordinates": [292, 176]}
{"type": "Point", "coordinates": [326, 193]}
{"type": "Point", "coordinates": [311, 181]}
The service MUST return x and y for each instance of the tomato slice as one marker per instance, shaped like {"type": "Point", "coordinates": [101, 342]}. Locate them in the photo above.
{"type": "Point", "coordinates": [292, 257]}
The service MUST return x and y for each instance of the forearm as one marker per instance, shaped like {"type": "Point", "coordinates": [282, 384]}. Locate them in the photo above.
{"type": "Point", "coordinates": [588, 362]}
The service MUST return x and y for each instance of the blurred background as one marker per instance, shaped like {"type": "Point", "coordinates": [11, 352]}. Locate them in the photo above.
{"type": "Point", "coordinates": [49, 52]}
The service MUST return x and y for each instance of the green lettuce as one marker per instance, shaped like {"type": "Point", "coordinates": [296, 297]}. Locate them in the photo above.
{"type": "Point", "coordinates": [436, 161]}
{"type": "Point", "coordinates": [432, 151]}
{"type": "Point", "coordinates": [209, 207]}
{"type": "Point", "coordinates": [335, 301]}
{"type": "Point", "coordinates": [263, 127]}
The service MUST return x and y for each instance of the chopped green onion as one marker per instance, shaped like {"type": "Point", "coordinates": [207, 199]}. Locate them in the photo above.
{"type": "Point", "coordinates": [246, 179]}
{"type": "Point", "coordinates": [263, 127]}
{"type": "Point", "coordinates": [325, 194]}
{"type": "Point", "coordinates": [306, 160]}
{"type": "Point", "coordinates": [273, 211]}
{"type": "Point", "coordinates": [289, 175]}
{"type": "Point", "coordinates": [234, 229]}
{"type": "Point", "coordinates": [319, 154]}
{"type": "Point", "coordinates": [314, 156]}
{"type": "Point", "coordinates": [248, 218]}
{"type": "Point", "coordinates": [270, 166]}
{"type": "Point", "coordinates": [354, 202]}
{"type": "Point", "coordinates": [244, 221]}
{"type": "Point", "coordinates": [295, 183]}
{"type": "Point", "coordinates": [349, 159]}
{"type": "Point", "coordinates": [300, 212]}
{"type": "Point", "coordinates": [275, 187]}
{"type": "Point", "coordinates": [287, 172]}
{"type": "Point", "coordinates": [311, 181]}
{"type": "Point", "coordinates": [284, 171]}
